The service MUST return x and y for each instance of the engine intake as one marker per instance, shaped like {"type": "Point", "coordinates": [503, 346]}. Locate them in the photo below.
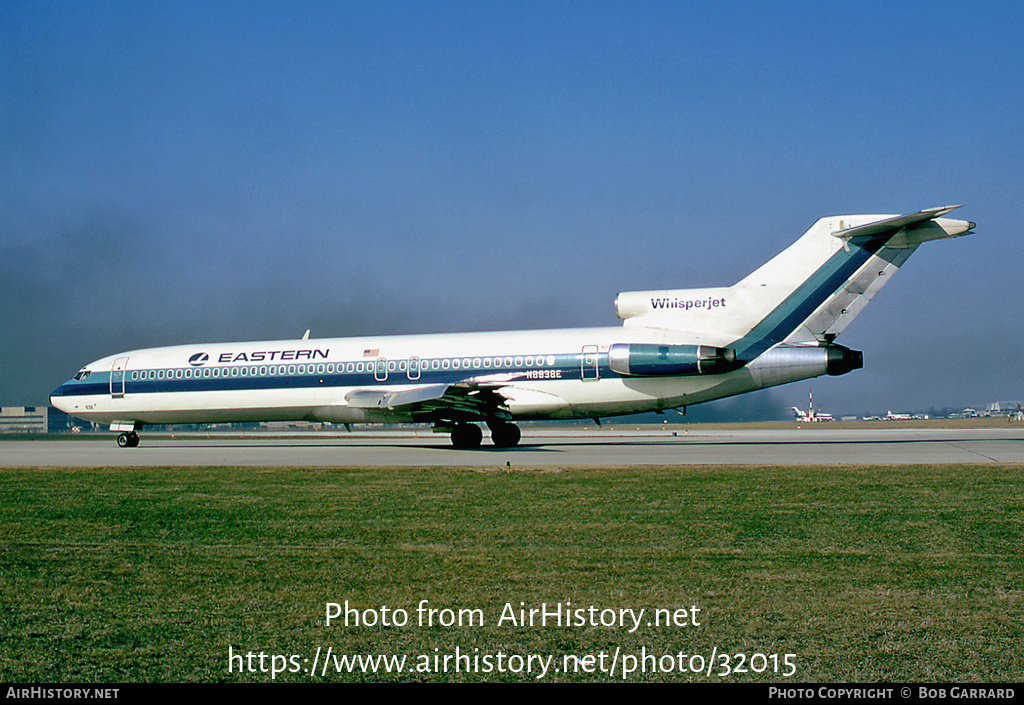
{"type": "Point", "coordinates": [651, 360]}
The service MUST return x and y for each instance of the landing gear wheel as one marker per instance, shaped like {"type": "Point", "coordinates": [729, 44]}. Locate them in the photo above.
{"type": "Point", "coordinates": [467, 435]}
{"type": "Point", "coordinates": [505, 435]}
{"type": "Point", "coordinates": [128, 440]}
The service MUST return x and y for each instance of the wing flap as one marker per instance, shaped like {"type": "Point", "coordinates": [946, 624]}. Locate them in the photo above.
{"type": "Point", "coordinates": [466, 399]}
{"type": "Point", "coordinates": [378, 399]}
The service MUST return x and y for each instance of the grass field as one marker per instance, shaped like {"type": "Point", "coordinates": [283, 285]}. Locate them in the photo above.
{"type": "Point", "coordinates": [863, 574]}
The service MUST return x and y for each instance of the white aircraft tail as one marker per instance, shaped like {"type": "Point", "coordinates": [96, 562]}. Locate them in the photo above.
{"type": "Point", "coordinates": [807, 294]}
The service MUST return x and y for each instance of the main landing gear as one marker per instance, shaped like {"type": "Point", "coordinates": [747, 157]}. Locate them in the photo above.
{"type": "Point", "coordinates": [128, 439]}
{"type": "Point", "coordinates": [469, 435]}
{"type": "Point", "coordinates": [504, 435]}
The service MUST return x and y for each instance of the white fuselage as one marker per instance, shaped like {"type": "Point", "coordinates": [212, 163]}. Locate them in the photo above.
{"type": "Point", "coordinates": [542, 374]}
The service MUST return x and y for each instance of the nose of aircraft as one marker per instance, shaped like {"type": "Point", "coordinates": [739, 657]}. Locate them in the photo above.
{"type": "Point", "coordinates": [58, 399]}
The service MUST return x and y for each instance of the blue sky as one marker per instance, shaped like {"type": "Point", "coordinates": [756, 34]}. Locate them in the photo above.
{"type": "Point", "coordinates": [175, 172]}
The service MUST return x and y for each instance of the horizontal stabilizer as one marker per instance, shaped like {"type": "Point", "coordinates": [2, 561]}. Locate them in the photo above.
{"type": "Point", "coordinates": [890, 226]}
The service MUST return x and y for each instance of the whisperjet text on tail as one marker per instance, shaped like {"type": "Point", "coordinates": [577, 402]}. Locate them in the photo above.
{"type": "Point", "coordinates": [675, 348]}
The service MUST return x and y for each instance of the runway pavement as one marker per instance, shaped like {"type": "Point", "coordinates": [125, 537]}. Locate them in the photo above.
{"type": "Point", "coordinates": [539, 448]}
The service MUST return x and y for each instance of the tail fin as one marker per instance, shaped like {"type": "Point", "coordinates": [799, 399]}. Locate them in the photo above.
{"type": "Point", "coordinates": [806, 294]}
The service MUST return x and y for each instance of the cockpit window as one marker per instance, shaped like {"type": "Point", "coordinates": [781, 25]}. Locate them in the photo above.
{"type": "Point", "coordinates": [82, 375]}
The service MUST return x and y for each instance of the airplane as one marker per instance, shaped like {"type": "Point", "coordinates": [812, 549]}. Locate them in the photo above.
{"type": "Point", "coordinates": [811, 416]}
{"type": "Point", "coordinates": [675, 348]}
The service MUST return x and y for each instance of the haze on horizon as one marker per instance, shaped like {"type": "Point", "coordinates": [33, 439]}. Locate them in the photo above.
{"type": "Point", "coordinates": [179, 172]}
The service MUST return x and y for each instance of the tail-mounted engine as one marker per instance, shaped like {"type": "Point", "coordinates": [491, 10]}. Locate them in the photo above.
{"type": "Point", "coordinates": [651, 360]}
{"type": "Point", "coordinates": [840, 360]}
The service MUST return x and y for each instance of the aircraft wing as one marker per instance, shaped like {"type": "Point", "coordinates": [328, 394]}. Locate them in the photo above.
{"type": "Point", "coordinates": [466, 400]}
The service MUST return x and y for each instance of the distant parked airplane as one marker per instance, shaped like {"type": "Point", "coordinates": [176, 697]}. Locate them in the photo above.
{"type": "Point", "coordinates": [811, 416]}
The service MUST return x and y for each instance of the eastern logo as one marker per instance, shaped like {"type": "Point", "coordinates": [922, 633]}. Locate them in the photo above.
{"type": "Point", "coordinates": [199, 359]}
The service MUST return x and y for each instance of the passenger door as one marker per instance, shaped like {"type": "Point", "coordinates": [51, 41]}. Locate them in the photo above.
{"type": "Point", "coordinates": [117, 377]}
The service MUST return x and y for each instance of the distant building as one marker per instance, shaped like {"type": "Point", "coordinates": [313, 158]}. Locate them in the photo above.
{"type": "Point", "coordinates": [1004, 407]}
{"type": "Point", "coordinates": [23, 419]}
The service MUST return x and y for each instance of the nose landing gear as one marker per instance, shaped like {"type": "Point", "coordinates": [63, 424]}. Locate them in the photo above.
{"type": "Point", "coordinates": [128, 439]}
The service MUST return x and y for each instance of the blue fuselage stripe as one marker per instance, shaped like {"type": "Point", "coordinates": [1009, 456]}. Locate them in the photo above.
{"type": "Point", "coordinates": [801, 303]}
{"type": "Point", "coordinates": [566, 366]}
